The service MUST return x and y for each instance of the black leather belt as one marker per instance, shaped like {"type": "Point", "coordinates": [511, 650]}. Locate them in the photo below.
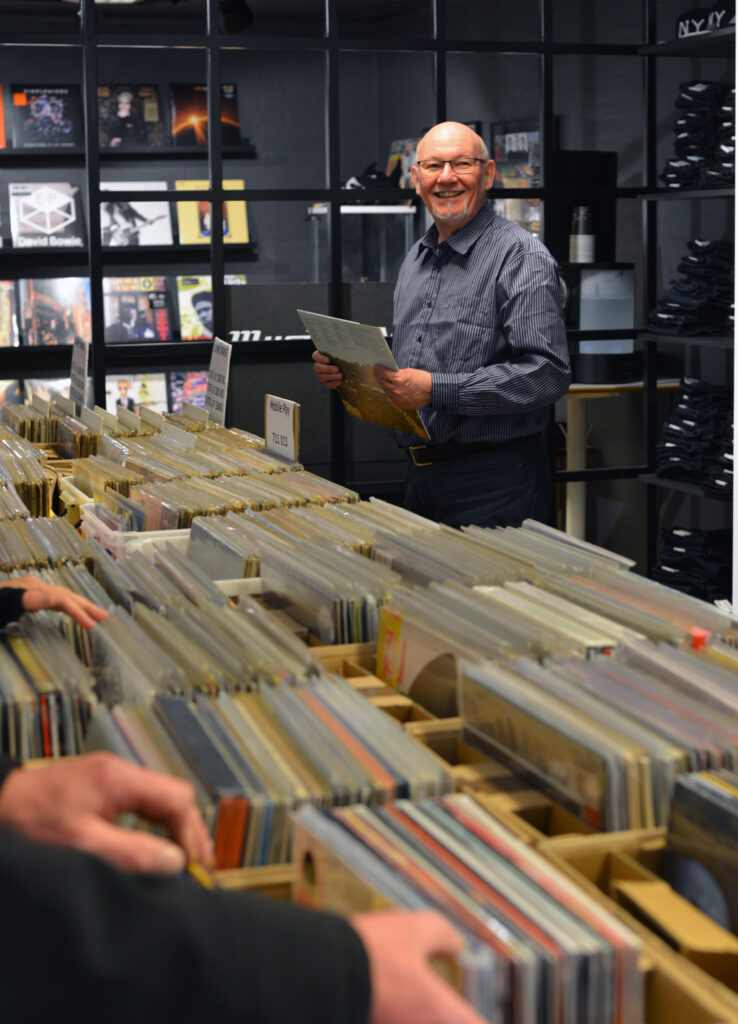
{"type": "Point", "coordinates": [427, 454]}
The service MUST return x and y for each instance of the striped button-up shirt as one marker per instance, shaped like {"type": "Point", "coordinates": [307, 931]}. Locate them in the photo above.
{"type": "Point", "coordinates": [482, 312]}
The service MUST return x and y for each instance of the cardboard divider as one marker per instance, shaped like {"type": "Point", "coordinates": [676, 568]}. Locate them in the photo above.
{"type": "Point", "coordinates": [527, 812]}
{"type": "Point", "coordinates": [621, 870]}
{"type": "Point", "coordinates": [334, 655]}
{"type": "Point", "coordinates": [401, 708]}
{"type": "Point", "coordinates": [274, 880]}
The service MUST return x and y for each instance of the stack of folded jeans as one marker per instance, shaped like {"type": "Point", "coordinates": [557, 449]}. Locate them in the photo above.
{"type": "Point", "coordinates": [697, 562]}
{"type": "Point", "coordinates": [696, 442]}
{"type": "Point", "coordinates": [704, 142]}
{"type": "Point", "coordinates": [700, 302]}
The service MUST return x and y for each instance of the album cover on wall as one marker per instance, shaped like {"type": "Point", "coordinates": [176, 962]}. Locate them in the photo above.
{"type": "Point", "coordinates": [53, 310]}
{"type": "Point", "coordinates": [129, 116]}
{"type": "Point", "coordinates": [195, 300]}
{"type": "Point", "coordinates": [193, 218]}
{"type": "Point", "coordinates": [137, 309]}
{"type": "Point", "coordinates": [48, 116]}
{"type": "Point", "coordinates": [8, 316]}
{"type": "Point", "coordinates": [135, 223]}
{"type": "Point", "coordinates": [190, 115]}
{"type": "Point", "coordinates": [190, 387]}
{"type": "Point", "coordinates": [516, 150]}
{"type": "Point", "coordinates": [46, 215]}
{"type": "Point", "coordinates": [136, 391]}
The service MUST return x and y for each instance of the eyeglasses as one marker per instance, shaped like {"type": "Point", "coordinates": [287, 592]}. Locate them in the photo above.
{"type": "Point", "coordinates": [461, 165]}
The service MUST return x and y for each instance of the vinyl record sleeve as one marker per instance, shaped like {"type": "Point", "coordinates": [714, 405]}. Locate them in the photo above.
{"type": "Point", "coordinates": [46, 215]}
{"type": "Point", "coordinates": [195, 298]}
{"type": "Point", "coordinates": [129, 116]}
{"type": "Point", "coordinates": [559, 746]}
{"type": "Point", "coordinates": [194, 219]}
{"type": "Point", "coordinates": [628, 989]}
{"type": "Point", "coordinates": [135, 223]}
{"type": "Point", "coordinates": [137, 309]}
{"type": "Point", "coordinates": [190, 115]}
{"type": "Point", "coordinates": [53, 310]}
{"type": "Point", "coordinates": [355, 348]}
{"type": "Point", "coordinates": [8, 315]}
{"type": "Point", "coordinates": [47, 116]}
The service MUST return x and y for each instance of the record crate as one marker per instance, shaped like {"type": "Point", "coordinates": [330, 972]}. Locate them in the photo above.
{"type": "Point", "coordinates": [622, 870]}
{"type": "Point", "coordinates": [356, 663]}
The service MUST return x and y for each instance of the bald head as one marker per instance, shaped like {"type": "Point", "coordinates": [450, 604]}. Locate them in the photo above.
{"type": "Point", "coordinates": [456, 133]}
{"type": "Point", "coordinates": [451, 174]}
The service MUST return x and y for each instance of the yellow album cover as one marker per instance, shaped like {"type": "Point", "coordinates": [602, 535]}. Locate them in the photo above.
{"type": "Point", "coordinates": [194, 218]}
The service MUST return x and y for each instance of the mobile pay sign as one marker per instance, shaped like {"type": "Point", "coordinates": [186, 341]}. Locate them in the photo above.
{"type": "Point", "coordinates": [282, 427]}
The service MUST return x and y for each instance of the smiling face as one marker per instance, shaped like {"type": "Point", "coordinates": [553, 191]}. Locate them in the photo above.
{"type": "Point", "coordinates": [453, 199]}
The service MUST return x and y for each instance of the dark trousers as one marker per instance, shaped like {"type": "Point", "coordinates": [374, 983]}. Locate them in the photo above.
{"type": "Point", "coordinates": [499, 486]}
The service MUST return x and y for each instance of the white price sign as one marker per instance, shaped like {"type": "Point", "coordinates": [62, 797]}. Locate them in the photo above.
{"type": "Point", "coordinates": [282, 427]}
{"type": "Point", "coordinates": [217, 390]}
{"type": "Point", "coordinates": [80, 360]}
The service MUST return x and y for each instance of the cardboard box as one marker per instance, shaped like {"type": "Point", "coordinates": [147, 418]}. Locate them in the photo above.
{"type": "Point", "coordinates": [527, 812]}
{"type": "Point", "coordinates": [621, 869]}
{"type": "Point", "coordinates": [401, 708]}
{"type": "Point", "coordinates": [274, 880]}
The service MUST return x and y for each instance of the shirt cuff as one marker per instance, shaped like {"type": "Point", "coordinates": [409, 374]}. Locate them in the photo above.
{"type": "Point", "coordinates": [445, 392]}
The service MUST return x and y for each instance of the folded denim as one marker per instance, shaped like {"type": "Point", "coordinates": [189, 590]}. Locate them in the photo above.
{"type": "Point", "coordinates": [714, 542]}
{"type": "Point", "coordinates": [666, 323]}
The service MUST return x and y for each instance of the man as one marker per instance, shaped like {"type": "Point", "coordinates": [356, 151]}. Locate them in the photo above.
{"type": "Point", "coordinates": [125, 326]}
{"type": "Point", "coordinates": [480, 342]}
{"type": "Point", "coordinates": [82, 929]}
{"type": "Point", "coordinates": [124, 399]}
{"type": "Point", "coordinates": [202, 303]}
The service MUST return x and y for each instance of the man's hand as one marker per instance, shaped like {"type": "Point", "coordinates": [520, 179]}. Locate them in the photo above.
{"type": "Point", "coordinates": [410, 389]}
{"type": "Point", "coordinates": [75, 802]}
{"type": "Point", "coordinates": [328, 373]}
{"type": "Point", "coordinates": [39, 595]}
{"type": "Point", "coordinates": [405, 988]}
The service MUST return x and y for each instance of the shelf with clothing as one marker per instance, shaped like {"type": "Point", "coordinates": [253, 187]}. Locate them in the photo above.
{"type": "Point", "coordinates": [694, 215]}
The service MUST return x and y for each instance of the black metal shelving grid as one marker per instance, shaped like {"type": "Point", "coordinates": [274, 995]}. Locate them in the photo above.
{"type": "Point", "coordinates": [714, 44]}
{"type": "Point", "coordinates": [93, 39]}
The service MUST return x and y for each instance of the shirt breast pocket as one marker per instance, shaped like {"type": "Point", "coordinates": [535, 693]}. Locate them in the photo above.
{"type": "Point", "coordinates": [468, 341]}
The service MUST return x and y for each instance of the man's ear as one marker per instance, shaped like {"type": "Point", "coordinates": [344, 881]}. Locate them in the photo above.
{"type": "Point", "coordinates": [489, 174]}
{"type": "Point", "coordinates": [415, 175]}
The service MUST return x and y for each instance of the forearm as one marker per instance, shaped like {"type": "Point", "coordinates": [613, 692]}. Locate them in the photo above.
{"type": "Point", "coordinates": [138, 948]}
{"type": "Point", "coordinates": [506, 388]}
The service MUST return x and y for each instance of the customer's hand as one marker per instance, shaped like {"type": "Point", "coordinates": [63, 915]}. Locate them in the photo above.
{"type": "Point", "coordinates": [39, 595]}
{"type": "Point", "coordinates": [410, 389]}
{"type": "Point", "coordinates": [328, 373]}
{"type": "Point", "coordinates": [75, 803]}
{"type": "Point", "coordinates": [405, 988]}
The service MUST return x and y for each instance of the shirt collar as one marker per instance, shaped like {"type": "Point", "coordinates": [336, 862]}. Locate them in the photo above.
{"type": "Point", "coordinates": [462, 240]}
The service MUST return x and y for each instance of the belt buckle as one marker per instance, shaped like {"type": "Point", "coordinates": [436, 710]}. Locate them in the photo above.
{"type": "Point", "coordinates": [419, 448]}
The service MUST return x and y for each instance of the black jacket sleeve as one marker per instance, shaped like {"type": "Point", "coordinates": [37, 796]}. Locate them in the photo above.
{"type": "Point", "coordinates": [11, 604]}
{"type": "Point", "coordinates": [123, 948]}
{"type": "Point", "coordinates": [7, 764]}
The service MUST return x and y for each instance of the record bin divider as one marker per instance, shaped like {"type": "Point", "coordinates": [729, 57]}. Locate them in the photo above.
{"type": "Point", "coordinates": [274, 880]}
{"type": "Point", "coordinates": [624, 870]}
{"type": "Point", "coordinates": [527, 812]}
